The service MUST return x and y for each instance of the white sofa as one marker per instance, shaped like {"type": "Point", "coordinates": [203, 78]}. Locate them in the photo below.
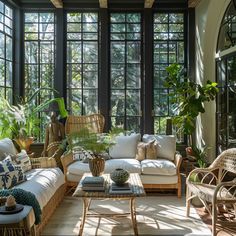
{"type": "Point", "coordinates": [47, 184]}
{"type": "Point", "coordinates": [162, 172]}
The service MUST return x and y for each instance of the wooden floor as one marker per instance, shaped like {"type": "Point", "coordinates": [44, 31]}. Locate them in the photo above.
{"type": "Point", "coordinates": [207, 220]}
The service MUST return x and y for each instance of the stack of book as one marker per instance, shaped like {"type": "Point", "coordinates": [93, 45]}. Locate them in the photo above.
{"type": "Point", "coordinates": [120, 189]}
{"type": "Point", "coordinates": [93, 184]}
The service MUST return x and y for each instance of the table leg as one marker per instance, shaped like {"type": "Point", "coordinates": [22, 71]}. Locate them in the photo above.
{"type": "Point", "coordinates": [86, 203]}
{"type": "Point", "coordinates": [133, 215]}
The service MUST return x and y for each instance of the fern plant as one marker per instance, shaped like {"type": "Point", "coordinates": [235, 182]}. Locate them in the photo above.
{"type": "Point", "coordinates": [96, 143]}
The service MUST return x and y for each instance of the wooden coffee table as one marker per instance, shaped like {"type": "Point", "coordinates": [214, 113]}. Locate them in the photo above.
{"type": "Point", "coordinates": [137, 191]}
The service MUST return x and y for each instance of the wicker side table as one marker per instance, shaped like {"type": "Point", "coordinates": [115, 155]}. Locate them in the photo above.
{"type": "Point", "coordinates": [21, 223]}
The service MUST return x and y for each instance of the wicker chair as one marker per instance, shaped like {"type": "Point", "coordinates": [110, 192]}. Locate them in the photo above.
{"type": "Point", "coordinates": [210, 185]}
{"type": "Point", "coordinates": [95, 123]}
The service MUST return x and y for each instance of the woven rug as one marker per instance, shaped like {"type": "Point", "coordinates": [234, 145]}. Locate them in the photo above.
{"type": "Point", "coordinates": [156, 215]}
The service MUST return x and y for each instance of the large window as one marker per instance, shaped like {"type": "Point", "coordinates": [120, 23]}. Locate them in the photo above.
{"type": "Point", "coordinates": [6, 57]}
{"type": "Point", "coordinates": [82, 63]}
{"type": "Point", "coordinates": [169, 48]}
{"type": "Point", "coordinates": [226, 78]}
{"type": "Point", "coordinates": [39, 50]}
{"type": "Point", "coordinates": [125, 70]}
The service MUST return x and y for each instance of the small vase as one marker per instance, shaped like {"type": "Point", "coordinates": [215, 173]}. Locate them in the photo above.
{"type": "Point", "coordinates": [97, 166]}
{"type": "Point", "coordinates": [24, 143]}
{"type": "Point", "coordinates": [119, 176]}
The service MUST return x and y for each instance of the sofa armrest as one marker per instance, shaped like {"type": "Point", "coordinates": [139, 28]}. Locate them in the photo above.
{"type": "Point", "coordinates": [178, 161]}
{"type": "Point", "coordinates": [66, 160]}
{"type": "Point", "coordinates": [43, 162]}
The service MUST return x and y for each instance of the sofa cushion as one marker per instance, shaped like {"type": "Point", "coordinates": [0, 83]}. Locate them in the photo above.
{"type": "Point", "coordinates": [10, 174]}
{"type": "Point", "coordinates": [125, 146]}
{"type": "Point", "coordinates": [6, 147]}
{"type": "Point", "coordinates": [23, 160]}
{"type": "Point", "coordinates": [78, 168]}
{"type": "Point", "coordinates": [131, 165]}
{"type": "Point", "coordinates": [159, 179]}
{"type": "Point", "coordinates": [147, 150]}
{"type": "Point", "coordinates": [158, 167]}
{"type": "Point", "coordinates": [43, 183]}
{"type": "Point", "coordinates": [166, 145]}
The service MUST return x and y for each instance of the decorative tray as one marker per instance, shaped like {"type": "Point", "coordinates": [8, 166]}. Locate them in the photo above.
{"type": "Point", "coordinates": [18, 208]}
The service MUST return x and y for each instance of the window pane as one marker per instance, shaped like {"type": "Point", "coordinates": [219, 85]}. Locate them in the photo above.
{"type": "Point", "coordinates": [8, 48]}
{"type": "Point", "coordinates": [2, 72]}
{"type": "Point", "coordinates": [73, 52]}
{"type": "Point", "coordinates": [118, 103]}
{"type": "Point", "coordinates": [74, 76]}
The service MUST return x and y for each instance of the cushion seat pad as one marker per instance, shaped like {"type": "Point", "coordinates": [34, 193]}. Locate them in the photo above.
{"type": "Point", "coordinates": [43, 183]}
{"type": "Point", "coordinates": [131, 165]}
{"type": "Point", "coordinates": [158, 167]}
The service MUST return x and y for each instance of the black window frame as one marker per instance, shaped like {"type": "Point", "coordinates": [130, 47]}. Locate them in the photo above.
{"type": "Point", "coordinates": [5, 87]}
{"type": "Point", "coordinates": [141, 89]}
{"type": "Point", "coordinates": [182, 139]}
{"type": "Point", "coordinates": [67, 88]}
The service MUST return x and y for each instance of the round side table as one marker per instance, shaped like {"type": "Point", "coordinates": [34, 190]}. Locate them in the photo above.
{"type": "Point", "coordinates": [21, 223]}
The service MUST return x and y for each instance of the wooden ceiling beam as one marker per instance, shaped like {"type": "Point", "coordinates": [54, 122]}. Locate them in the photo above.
{"type": "Point", "coordinates": [57, 3]}
{"type": "Point", "coordinates": [148, 3]}
{"type": "Point", "coordinates": [193, 3]}
{"type": "Point", "coordinates": [103, 3]}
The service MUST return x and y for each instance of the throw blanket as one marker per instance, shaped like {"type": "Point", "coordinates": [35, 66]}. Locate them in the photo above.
{"type": "Point", "coordinates": [25, 198]}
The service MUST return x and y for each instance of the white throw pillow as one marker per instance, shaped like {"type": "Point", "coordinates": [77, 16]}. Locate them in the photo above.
{"type": "Point", "coordinates": [166, 145]}
{"type": "Point", "coordinates": [80, 154]}
{"type": "Point", "coordinates": [6, 147]}
{"type": "Point", "coordinates": [23, 160]}
{"type": "Point", "coordinates": [125, 146]}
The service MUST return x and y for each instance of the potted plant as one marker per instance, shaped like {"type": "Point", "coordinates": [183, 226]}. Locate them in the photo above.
{"type": "Point", "coordinates": [189, 98]}
{"type": "Point", "coordinates": [21, 121]}
{"type": "Point", "coordinates": [198, 155]}
{"type": "Point", "coordinates": [97, 144]}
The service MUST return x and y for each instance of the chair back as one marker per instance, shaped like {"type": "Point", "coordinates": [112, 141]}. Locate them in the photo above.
{"type": "Point", "coordinates": [94, 123]}
{"type": "Point", "coordinates": [226, 162]}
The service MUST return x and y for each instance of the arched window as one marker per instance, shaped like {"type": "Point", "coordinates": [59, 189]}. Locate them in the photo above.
{"type": "Point", "coordinates": [226, 78]}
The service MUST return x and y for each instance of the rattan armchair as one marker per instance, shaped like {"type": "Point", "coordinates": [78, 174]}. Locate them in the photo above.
{"type": "Point", "coordinates": [95, 123]}
{"type": "Point", "coordinates": [214, 191]}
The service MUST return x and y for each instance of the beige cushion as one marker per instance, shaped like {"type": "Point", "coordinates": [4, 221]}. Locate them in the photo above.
{"type": "Point", "coordinates": [158, 167]}
{"type": "Point", "coordinates": [151, 150]}
{"type": "Point", "coordinates": [7, 148]}
{"type": "Point", "coordinates": [147, 150]}
{"type": "Point", "coordinates": [166, 145]}
{"type": "Point", "coordinates": [125, 146]}
{"type": "Point", "coordinates": [141, 151]}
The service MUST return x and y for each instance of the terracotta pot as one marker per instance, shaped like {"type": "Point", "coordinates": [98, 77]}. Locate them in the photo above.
{"type": "Point", "coordinates": [97, 166]}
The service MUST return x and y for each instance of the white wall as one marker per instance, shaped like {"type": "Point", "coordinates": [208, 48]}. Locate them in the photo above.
{"type": "Point", "coordinates": [209, 14]}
